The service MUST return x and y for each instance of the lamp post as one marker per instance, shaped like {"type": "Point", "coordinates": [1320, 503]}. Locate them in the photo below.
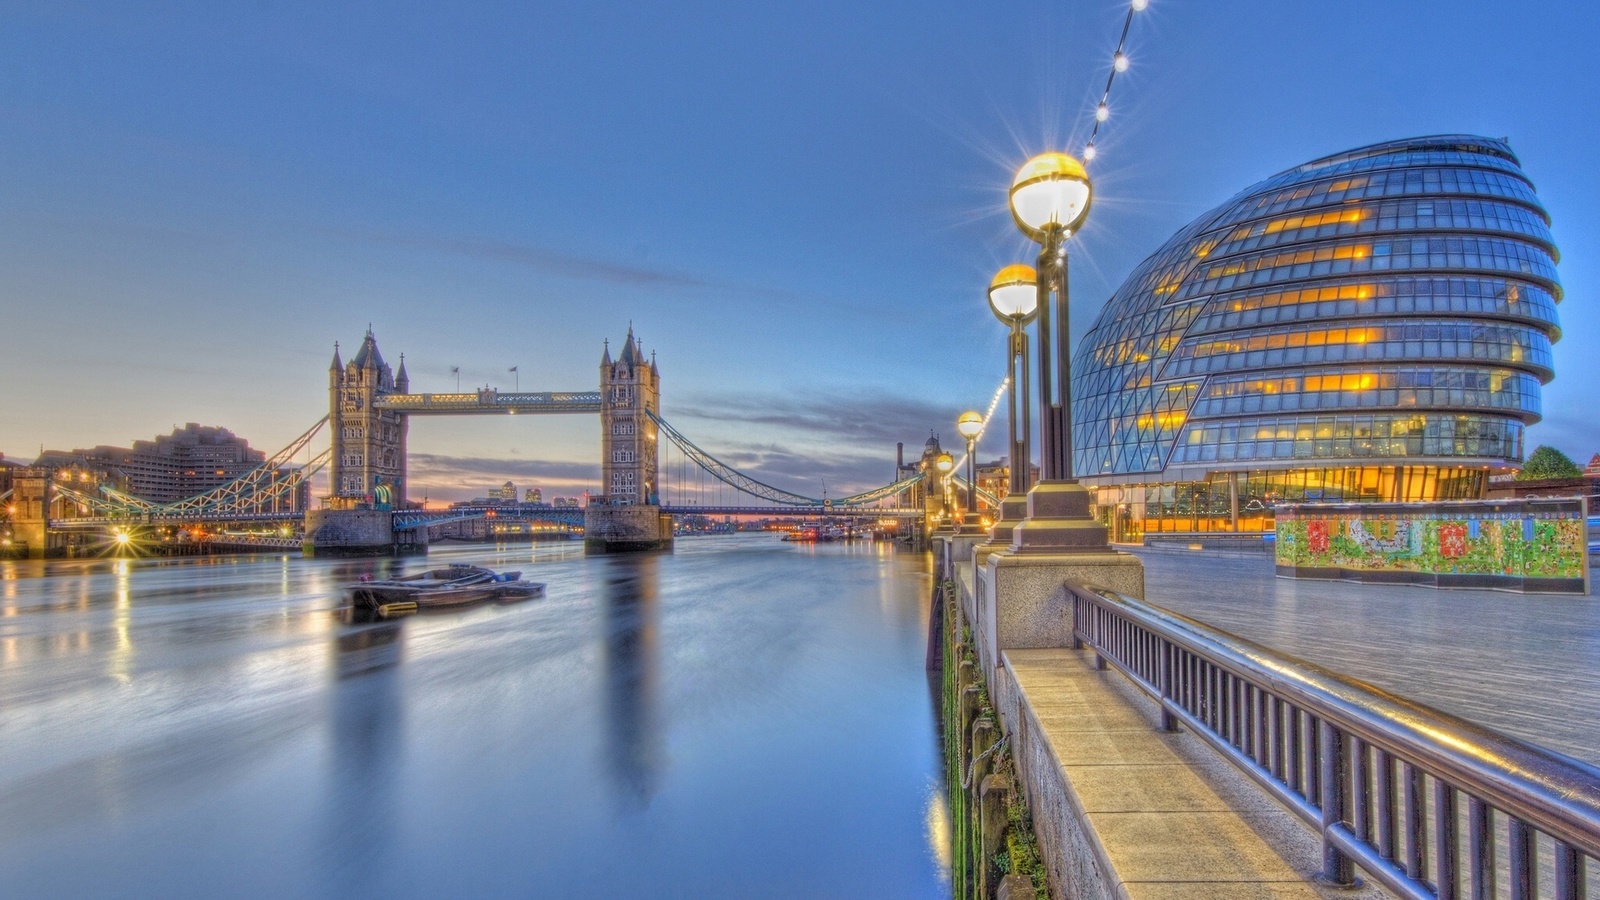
{"type": "Point", "coordinates": [1050, 198]}
{"type": "Point", "coordinates": [969, 426]}
{"type": "Point", "coordinates": [944, 462]}
{"type": "Point", "coordinates": [1014, 300]}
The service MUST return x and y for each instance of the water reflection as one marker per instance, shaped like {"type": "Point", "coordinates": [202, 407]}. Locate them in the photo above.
{"type": "Point", "coordinates": [635, 751]}
{"type": "Point", "coordinates": [226, 724]}
{"type": "Point", "coordinates": [366, 736]}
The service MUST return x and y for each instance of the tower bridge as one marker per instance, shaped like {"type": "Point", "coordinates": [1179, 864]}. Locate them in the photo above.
{"type": "Point", "coordinates": [368, 509]}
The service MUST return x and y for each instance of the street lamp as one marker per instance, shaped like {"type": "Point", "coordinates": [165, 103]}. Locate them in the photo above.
{"type": "Point", "coordinates": [944, 462]}
{"type": "Point", "coordinates": [970, 425]}
{"type": "Point", "coordinates": [1050, 198]}
{"type": "Point", "coordinates": [1014, 300]}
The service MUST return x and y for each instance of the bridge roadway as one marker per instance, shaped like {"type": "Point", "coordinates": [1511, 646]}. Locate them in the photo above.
{"type": "Point", "coordinates": [1527, 665]}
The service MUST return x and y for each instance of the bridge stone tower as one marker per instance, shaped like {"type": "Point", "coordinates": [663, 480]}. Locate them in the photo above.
{"type": "Point", "coordinates": [368, 464]}
{"type": "Point", "coordinates": [629, 516]}
{"type": "Point", "coordinates": [630, 387]}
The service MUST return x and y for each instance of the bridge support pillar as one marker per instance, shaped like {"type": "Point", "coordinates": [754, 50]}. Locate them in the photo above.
{"type": "Point", "coordinates": [30, 525]}
{"type": "Point", "coordinates": [626, 529]}
{"type": "Point", "coordinates": [357, 532]}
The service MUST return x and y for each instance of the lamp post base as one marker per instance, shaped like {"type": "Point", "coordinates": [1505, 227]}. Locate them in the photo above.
{"type": "Point", "coordinates": [1012, 511]}
{"type": "Point", "coordinates": [1022, 601]}
{"type": "Point", "coordinates": [1058, 522]}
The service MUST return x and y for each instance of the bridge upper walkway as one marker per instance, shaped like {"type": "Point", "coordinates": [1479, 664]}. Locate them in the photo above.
{"type": "Point", "coordinates": [490, 400]}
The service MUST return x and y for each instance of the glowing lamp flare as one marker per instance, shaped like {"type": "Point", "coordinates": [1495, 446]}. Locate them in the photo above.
{"type": "Point", "coordinates": [944, 463]}
{"type": "Point", "coordinates": [1050, 192]}
{"type": "Point", "coordinates": [1139, 5]}
{"type": "Point", "coordinates": [970, 425]}
{"type": "Point", "coordinates": [1014, 294]}
{"type": "Point", "coordinates": [1102, 113]}
{"type": "Point", "coordinates": [1120, 61]}
{"type": "Point", "coordinates": [1090, 152]}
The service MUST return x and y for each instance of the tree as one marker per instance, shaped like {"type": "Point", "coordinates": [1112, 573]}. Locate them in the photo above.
{"type": "Point", "coordinates": [1548, 462]}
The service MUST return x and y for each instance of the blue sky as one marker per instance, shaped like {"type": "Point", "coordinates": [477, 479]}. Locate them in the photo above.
{"type": "Point", "coordinates": [797, 207]}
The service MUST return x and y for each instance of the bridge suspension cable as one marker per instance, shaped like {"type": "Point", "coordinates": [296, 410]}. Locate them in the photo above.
{"type": "Point", "coordinates": [742, 482]}
{"type": "Point", "coordinates": [268, 484]}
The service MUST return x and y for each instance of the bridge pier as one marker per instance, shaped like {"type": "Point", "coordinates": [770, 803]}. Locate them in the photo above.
{"type": "Point", "coordinates": [359, 532]}
{"type": "Point", "coordinates": [626, 529]}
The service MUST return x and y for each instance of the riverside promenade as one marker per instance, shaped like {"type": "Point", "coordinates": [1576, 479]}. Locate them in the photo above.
{"type": "Point", "coordinates": [1527, 665]}
{"type": "Point", "coordinates": [1123, 809]}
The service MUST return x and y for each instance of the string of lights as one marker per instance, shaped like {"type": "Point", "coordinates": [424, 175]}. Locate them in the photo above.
{"type": "Point", "coordinates": [1119, 64]}
{"type": "Point", "coordinates": [988, 415]}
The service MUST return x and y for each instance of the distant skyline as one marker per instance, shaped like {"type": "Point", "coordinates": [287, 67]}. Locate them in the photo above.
{"type": "Point", "coordinates": [798, 212]}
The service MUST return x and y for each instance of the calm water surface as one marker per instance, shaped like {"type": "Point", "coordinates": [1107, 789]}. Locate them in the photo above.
{"type": "Point", "coordinates": [741, 718]}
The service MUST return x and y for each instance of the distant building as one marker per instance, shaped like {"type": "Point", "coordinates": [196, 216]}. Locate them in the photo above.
{"type": "Point", "coordinates": [994, 477]}
{"type": "Point", "coordinates": [507, 491]}
{"type": "Point", "coordinates": [189, 461]}
{"type": "Point", "coordinates": [1586, 484]}
{"type": "Point", "coordinates": [534, 495]}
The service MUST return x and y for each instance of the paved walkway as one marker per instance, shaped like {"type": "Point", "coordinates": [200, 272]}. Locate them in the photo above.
{"type": "Point", "coordinates": [1146, 814]}
{"type": "Point", "coordinates": [1527, 665]}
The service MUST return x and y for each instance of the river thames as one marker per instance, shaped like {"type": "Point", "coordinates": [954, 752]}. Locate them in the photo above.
{"type": "Point", "coordinates": [740, 718]}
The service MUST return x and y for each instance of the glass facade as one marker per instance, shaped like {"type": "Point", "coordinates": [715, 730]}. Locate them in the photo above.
{"type": "Point", "coordinates": [1377, 324]}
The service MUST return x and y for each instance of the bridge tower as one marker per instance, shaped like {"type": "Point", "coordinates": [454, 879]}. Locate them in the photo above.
{"type": "Point", "coordinates": [368, 463]}
{"type": "Point", "coordinates": [629, 387]}
{"type": "Point", "coordinates": [629, 516]}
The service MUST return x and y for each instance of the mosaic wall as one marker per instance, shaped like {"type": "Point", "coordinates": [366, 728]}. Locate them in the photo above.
{"type": "Point", "coordinates": [1533, 539]}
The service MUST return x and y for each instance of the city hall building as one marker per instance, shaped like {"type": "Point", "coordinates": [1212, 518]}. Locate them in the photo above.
{"type": "Point", "coordinates": [1371, 326]}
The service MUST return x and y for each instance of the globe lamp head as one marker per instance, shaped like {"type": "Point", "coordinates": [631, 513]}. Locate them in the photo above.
{"type": "Point", "coordinates": [1051, 192]}
{"type": "Point", "coordinates": [970, 424]}
{"type": "Point", "coordinates": [1014, 294]}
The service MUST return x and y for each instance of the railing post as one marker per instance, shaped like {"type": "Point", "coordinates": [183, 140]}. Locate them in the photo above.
{"type": "Point", "coordinates": [1480, 844]}
{"type": "Point", "coordinates": [1524, 878]}
{"type": "Point", "coordinates": [1445, 855]}
{"type": "Point", "coordinates": [1334, 764]}
{"type": "Point", "coordinates": [1169, 722]}
{"type": "Point", "coordinates": [1570, 881]}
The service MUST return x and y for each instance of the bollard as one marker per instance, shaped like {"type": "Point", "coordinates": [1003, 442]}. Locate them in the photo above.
{"type": "Point", "coordinates": [970, 706]}
{"type": "Point", "coordinates": [984, 736]}
{"type": "Point", "coordinates": [1015, 887]}
{"type": "Point", "coordinates": [994, 795]}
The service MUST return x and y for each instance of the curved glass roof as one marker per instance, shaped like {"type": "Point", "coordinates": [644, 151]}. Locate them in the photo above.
{"type": "Point", "coordinates": [1404, 294]}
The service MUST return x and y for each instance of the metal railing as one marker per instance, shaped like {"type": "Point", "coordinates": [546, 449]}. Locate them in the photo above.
{"type": "Point", "coordinates": [1431, 805]}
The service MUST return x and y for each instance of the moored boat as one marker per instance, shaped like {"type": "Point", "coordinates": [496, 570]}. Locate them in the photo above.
{"type": "Point", "coordinates": [452, 586]}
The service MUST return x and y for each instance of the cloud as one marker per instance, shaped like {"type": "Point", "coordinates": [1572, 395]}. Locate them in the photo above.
{"type": "Point", "coordinates": [561, 263]}
{"type": "Point", "coordinates": [848, 419]}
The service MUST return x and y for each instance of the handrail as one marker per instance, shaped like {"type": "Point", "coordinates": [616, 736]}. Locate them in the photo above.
{"type": "Point", "coordinates": [1358, 763]}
